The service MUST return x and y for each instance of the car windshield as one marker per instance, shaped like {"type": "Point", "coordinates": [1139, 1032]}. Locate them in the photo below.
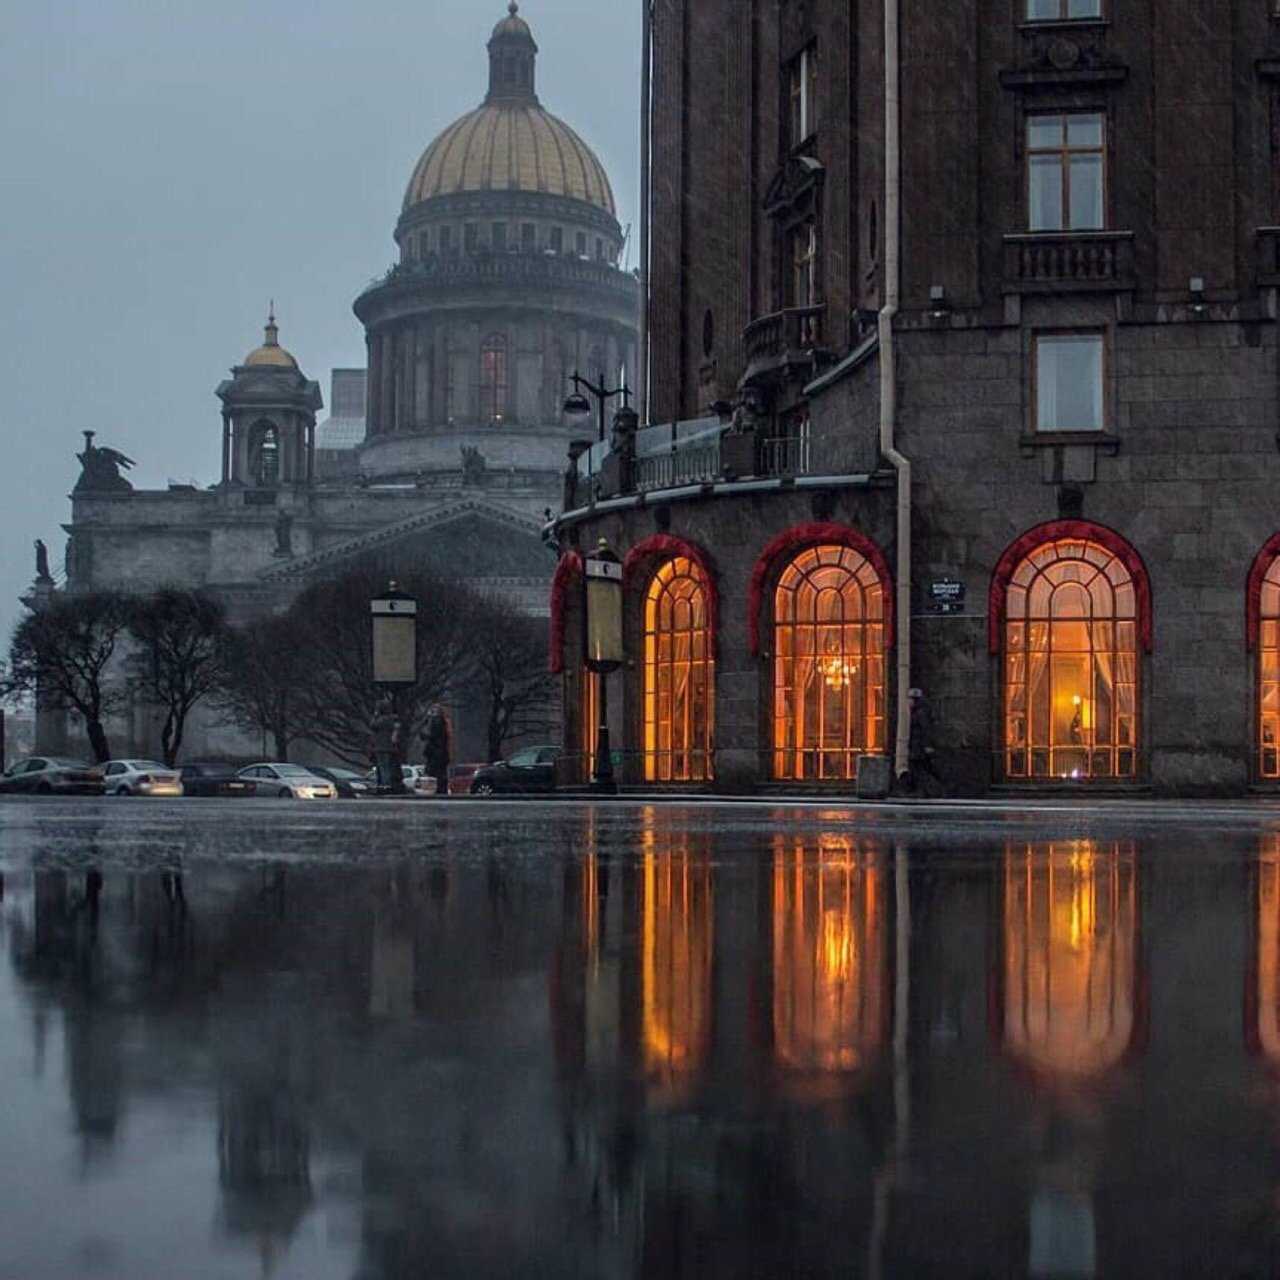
{"type": "Point", "coordinates": [346, 775]}
{"type": "Point", "coordinates": [61, 762]}
{"type": "Point", "coordinates": [291, 770]}
{"type": "Point", "coordinates": [523, 759]}
{"type": "Point", "coordinates": [143, 765]}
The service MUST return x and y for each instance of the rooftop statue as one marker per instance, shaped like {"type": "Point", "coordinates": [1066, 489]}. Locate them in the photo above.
{"type": "Point", "coordinates": [101, 468]}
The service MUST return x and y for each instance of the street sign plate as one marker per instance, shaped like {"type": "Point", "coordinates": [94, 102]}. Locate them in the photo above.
{"type": "Point", "coordinates": [947, 595]}
{"type": "Point", "coordinates": [610, 569]}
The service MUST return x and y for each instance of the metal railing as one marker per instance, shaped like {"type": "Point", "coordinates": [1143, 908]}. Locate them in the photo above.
{"type": "Point", "coordinates": [696, 465]}
{"type": "Point", "coordinates": [1063, 261]}
{"type": "Point", "coordinates": [785, 456]}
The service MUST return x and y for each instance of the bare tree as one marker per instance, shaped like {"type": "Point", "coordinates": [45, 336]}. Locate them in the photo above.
{"type": "Point", "coordinates": [180, 647]}
{"type": "Point", "coordinates": [509, 656]}
{"type": "Point", "coordinates": [263, 674]}
{"type": "Point", "coordinates": [63, 653]}
{"type": "Point", "coordinates": [338, 701]}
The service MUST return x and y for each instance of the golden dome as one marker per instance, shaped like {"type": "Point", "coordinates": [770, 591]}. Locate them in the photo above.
{"type": "Point", "coordinates": [504, 146]}
{"type": "Point", "coordinates": [271, 353]}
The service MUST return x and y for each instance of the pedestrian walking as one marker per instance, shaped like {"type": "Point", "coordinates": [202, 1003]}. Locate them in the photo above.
{"type": "Point", "coordinates": [435, 748]}
{"type": "Point", "coordinates": [385, 732]}
{"type": "Point", "coordinates": [920, 747]}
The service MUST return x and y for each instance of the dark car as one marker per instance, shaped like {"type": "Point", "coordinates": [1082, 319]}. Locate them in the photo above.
{"type": "Point", "coordinates": [351, 785]}
{"type": "Point", "coordinates": [214, 779]}
{"type": "Point", "coordinates": [53, 775]}
{"type": "Point", "coordinates": [530, 770]}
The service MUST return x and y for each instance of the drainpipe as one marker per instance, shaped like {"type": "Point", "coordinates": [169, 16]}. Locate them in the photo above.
{"type": "Point", "coordinates": [646, 102]}
{"type": "Point", "coordinates": [889, 371]}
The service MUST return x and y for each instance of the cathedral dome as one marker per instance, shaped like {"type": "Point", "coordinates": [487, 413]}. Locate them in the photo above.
{"type": "Point", "coordinates": [271, 354]}
{"type": "Point", "coordinates": [511, 143]}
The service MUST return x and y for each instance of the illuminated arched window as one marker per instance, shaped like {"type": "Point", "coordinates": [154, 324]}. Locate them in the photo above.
{"type": "Point", "coordinates": [828, 667]}
{"type": "Point", "coordinates": [1071, 664]}
{"type": "Point", "coordinates": [264, 454]}
{"type": "Point", "coordinates": [830, 960]}
{"type": "Point", "coordinates": [1070, 956]}
{"type": "Point", "coordinates": [1269, 674]}
{"type": "Point", "coordinates": [679, 675]}
{"type": "Point", "coordinates": [493, 378]}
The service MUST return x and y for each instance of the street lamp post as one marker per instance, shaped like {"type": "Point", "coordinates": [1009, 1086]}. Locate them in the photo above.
{"type": "Point", "coordinates": [602, 610]}
{"type": "Point", "coordinates": [577, 408]}
{"type": "Point", "coordinates": [395, 668]}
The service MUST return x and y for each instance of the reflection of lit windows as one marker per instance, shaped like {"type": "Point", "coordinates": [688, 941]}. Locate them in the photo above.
{"type": "Point", "coordinates": [677, 945]}
{"type": "Point", "coordinates": [1263, 989]}
{"type": "Point", "coordinates": [493, 378]}
{"type": "Point", "coordinates": [1066, 172]}
{"type": "Point", "coordinates": [679, 675]}
{"type": "Point", "coordinates": [828, 664]}
{"type": "Point", "coordinates": [1071, 665]}
{"type": "Point", "coordinates": [1070, 955]}
{"type": "Point", "coordinates": [1269, 675]}
{"type": "Point", "coordinates": [829, 954]}
{"type": "Point", "coordinates": [1069, 382]}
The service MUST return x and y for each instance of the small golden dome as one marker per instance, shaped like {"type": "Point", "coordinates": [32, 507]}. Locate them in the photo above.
{"type": "Point", "coordinates": [510, 146]}
{"type": "Point", "coordinates": [271, 353]}
{"type": "Point", "coordinates": [513, 24]}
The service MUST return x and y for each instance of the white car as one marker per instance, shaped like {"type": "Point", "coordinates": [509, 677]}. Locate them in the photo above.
{"type": "Point", "coordinates": [140, 778]}
{"type": "Point", "coordinates": [289, 781]}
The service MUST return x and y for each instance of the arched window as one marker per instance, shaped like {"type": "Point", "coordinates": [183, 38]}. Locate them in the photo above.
{"type": "Point", "coordinates": [264, 454]}
{"type": "Point", "coordinates": [493, 378]}
{"type": "Point", "coordinates": [679, 675]}
{"type": "Point", "coordinates": [828, 666]}
{"type": "Point", "coordinates": [1269, 673]}
{"type": "Point", "coordinates": [1071, 664]}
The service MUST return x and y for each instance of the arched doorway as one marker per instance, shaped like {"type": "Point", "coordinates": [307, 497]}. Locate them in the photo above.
{"type": "Point", "coordinates": [828, 664]}
{"type": "Point", "coordinates": [679, 674]}
{"type": "Point", "coordinates": [1072, 617]}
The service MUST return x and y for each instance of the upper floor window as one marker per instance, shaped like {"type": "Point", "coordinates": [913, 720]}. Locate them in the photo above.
{"type": "Point", "coordinates": [528, 237]}
{"type": "Point", "coordinates": [493, 378]}
{"type": "Point", "coordinates": [803, 242]}
{"type": "Point", "coordinates": [802, 94]}
{"type": "Point", "coordinates": [1066, 172]}
{"type": "Point", "coordinates": [1062, 10]}
{"type": "Point", "coordinates": [446, 239]}
{"type": "Point", "coordinates": [264, 454]}
{"type": "Point", "coordinates": [471, 237]}
{"type": "Point", "coordinates": [499, 240]}
{"type": "Point", "coordinates": [557, 239]}
{"type": "Point", "coordinates": [1068, 372]}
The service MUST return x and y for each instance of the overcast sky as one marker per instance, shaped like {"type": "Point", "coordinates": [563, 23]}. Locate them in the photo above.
{"type": "Point", "coordinates": [170, 165]}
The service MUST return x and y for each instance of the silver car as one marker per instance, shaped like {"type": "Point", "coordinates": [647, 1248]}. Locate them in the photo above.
{"type": "Point", "coordinates": [141, 778]}
{"type": "Point", "coordinates": [289, 781]}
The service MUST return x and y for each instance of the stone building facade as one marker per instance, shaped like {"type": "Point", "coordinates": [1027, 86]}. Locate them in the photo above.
{"type": "Point", "coordinates": [969, 330]}
{"type": "Point", "coordinates": [453, 453]}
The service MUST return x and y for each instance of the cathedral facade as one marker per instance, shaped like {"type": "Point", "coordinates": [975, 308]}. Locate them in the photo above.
{"type": "Point", "coordinates": [448, 451]}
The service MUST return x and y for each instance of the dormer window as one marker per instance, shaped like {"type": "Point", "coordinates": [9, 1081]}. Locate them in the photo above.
{"type": "Point", "coordinates": [802, 94]}
{"type": "Point", "coordinates": [1062, 10]}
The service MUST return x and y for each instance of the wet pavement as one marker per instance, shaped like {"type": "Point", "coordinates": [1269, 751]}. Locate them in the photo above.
{"type": "Point", "coordinates": [546, 1040]}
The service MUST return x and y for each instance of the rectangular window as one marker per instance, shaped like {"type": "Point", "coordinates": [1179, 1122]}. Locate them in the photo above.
{"type": "Point", "coordinates": [528, 237]}
{"type": "Point", "coordinates": [803, 289]}
{"type": "Point", "coordinates": [1062, 10]}
{"type": "Point", "coordinates": [499, 240]}
{"type": "Point", "coordinates": [471, 237]}
{"type": "Point", "coordinates": [446, 239]}
{"type": "Point", "coordinates": [1069, 382]}
{"type": "Point", "coordinates": [1066, 172]}
{"type": "Point", "coordinates": [802, 93]}
{"type": "Point", "coordinates": [557, 239]}
{"type": "Point", "coordinates": [599, 249]}
{"type": "Point", "coordinates": [581, 242]}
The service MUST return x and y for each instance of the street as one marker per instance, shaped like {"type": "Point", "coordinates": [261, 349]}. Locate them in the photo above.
{"type": "Point", "coordinates": [638, 1039]}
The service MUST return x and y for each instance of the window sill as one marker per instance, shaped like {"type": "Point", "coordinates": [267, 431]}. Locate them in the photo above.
{"type": "Point", "coordinates": [1035, 26]}
{"type": "Point", "coordinates": [1028, 80]}
{"type": "Point", "coordinates": [1104, 440]}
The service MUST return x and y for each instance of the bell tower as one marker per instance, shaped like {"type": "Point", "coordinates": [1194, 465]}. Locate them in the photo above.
{"type": "Point", "coordinates": [513, 57]}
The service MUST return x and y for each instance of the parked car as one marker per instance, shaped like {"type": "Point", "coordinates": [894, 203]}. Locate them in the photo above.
{"type": "Point", "coordinates": [289, 782]}
{"type": "Point", "coordinates": [351, 785]}
{"type": "Point", "coordinates": [140, 778]}
{"type": "Point", "coordinates": [53, 775]}
{"type": "Point", "coordinates": [211, 778]}
{"type": "Point", "coordinates": [416, 779]}
{"type": "Point", "coordinates": [460, 776]}
{"type": "Point", "coordinates": [532, 769]}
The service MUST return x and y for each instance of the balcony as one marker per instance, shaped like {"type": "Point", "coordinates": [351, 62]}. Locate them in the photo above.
{"type": "Point", "coordinates": [784, 344]}
{"type": "Point", "coordinates": [1068, 262]}
{"type": "Point", "coordinates": [1268, 257]}
{"type": "Point", "coordinates": [785, 455]}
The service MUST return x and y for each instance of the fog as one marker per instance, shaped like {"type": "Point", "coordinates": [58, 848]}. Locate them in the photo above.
{"type": "Point", "coordinates": [171, 165]}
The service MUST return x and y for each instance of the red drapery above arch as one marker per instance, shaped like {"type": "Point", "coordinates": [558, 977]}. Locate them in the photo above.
{"type": "Point", "coordinates": [1253, 595]}
{"type": "Point", "coordinates": [665, 546]}
{"type": "Point", "coordinates": [569, 568]}
{"type": "Point", "coordinates": [1062, 531]}
{"type": "Point", "coordinates": [796, 539]}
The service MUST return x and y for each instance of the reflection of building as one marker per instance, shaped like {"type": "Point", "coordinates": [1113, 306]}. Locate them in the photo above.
{"type": "Point", "coordinates": [1006, 364]}
{"type": "Point", "coordinates": [830, 964]}
{"type": "Point", "coordinates": [1070, 975]}
{"type": "Point", "coordinates": [446, 455]}
{"type": "Point", "coordinates": [1262, 1005]}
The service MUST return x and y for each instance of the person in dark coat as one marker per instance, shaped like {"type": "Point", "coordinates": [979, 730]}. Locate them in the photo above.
{"type": "Point", "coordinates": [920, 746]}
{"type": "Point", "coordinates": [383, 748]}
{"type": "Point", "coordinates": [435, 748]}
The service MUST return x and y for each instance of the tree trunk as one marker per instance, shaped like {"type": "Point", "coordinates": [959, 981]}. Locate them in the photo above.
{"type": "Point", "coordinates": [98, 740]}
{"type": "Point", "coordinates": [171, 737]}
{"type": "Point", "coordinates": [280, 735]}
{"type": "Point", "coordinates": [495, 732]}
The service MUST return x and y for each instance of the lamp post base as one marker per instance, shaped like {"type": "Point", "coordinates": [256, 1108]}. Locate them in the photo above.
{"type": "Point", "coordinates": [603, 783]}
